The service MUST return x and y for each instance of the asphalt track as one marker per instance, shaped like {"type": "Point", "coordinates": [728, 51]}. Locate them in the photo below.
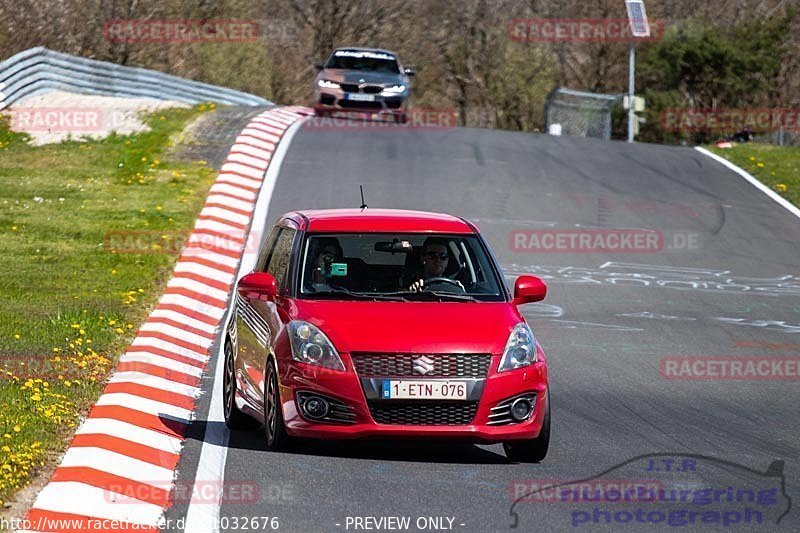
{"type": "Point", "coordinates": [726, 283]}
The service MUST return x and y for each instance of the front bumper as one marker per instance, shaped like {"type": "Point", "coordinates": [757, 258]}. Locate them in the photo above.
{"type": "Point", "coordinates": [346, 387]}
{"type": "Point", "coordinates": [337, 100]}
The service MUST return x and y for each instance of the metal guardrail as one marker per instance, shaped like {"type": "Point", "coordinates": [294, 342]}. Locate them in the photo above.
{"type": "Point", "coordinates": [39, 70]}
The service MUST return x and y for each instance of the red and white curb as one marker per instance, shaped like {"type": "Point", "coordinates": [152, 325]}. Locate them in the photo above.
{"type": "Point", "coordinates": [118, 472]}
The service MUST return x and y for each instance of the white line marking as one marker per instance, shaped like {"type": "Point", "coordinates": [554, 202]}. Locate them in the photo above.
{"type": "Point", "coordinates": [234, 190]}
{"type": "Point", "coordinates": [144, 405]}
{"type": "Point", "coordinates": [163, 362]}
{"type": "Point", "coordinates": [69, 496]}
{"type": "Point", "coordinates": [220, 227]}
{"type": "Point", "coordinates": [179, 333]}
{"type": "Point", "coordinates": [207, 309]}
{"type": "Point", "coordinates": [753, 181]}
{"type": "Point", "coordinates": [252, 174]}
{"type": "Point", "coordinates": [248, 160]}
{"type": "Point", "coordinates": [205, 271]}
{"type": "Point", "coordinates": [226, 214]}
{"type": "Point", "coordinates": [130, 432]}
{"type": "Point", "coordinates": [117, 464]}
{"type": "Point", "coordinates": [202, 518]}
{"type": "Point", "coordinates": [132, 376]}
{"type": "Point", "coordinates": [231, 202]}
{"type": "Point", "coordinates": [169, 346]}
{"type": "Point", "coordinates": [186, 319]}
{"type": "Point", "coordinates": [263, 155]}
{"type": "Point", "coordinates": [196, 286]}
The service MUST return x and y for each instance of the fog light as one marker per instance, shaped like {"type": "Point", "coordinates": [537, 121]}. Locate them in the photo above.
{"type": "Point", "coordinates": [315, 407]}
{"type": "Point", "coordinates": [521, 409]}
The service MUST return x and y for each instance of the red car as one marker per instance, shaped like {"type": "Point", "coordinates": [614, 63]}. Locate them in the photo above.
{"type": "Point", "coordinates": [385, 323]}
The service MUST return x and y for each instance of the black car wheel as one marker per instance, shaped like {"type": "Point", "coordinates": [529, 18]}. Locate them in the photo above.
{"type": "Point", "coordinates": [532, 450]}
{"type": "Point", "coordinates": [274, 428]}
{"type": "Point", "coordinates": [234, 418]}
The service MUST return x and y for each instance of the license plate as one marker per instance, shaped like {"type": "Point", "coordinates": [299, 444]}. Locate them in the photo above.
{"type": "Point", "coordinates": [360, 97]}
{"type": "Point", "coordinates": [424, 390]}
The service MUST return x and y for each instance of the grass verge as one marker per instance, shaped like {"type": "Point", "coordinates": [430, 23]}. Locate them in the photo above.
{"type": "Point", "coordinates": [778, 167]}
{"type": "Point", "coordinates": [70, 302]}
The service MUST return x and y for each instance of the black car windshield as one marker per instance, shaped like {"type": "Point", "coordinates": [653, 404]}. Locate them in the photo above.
{"type": "Point", "coordinates": [398, 267]}
{"type": "Point", "coordinates": [371, 61]}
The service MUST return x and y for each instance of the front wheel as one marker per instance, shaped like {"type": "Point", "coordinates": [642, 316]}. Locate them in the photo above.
{"type": "Point", "coordinates": [234, 418]}
{"type": "Point", "coordinates": [532, 450]}
{"type": "Point", "coordinates": [274, 428]}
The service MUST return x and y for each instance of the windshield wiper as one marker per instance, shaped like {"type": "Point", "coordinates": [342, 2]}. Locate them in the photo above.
{"type": "Point", "coordinates": [359, 295]}
{"type": "Point", "coordinates": [433, 296]}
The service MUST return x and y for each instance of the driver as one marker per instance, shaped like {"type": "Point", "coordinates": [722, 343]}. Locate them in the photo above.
{"type": "Point", "coordinates": [435, 258]}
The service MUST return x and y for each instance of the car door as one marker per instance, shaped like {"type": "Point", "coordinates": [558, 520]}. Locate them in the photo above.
{"type": "Point", "coordinates": [264, 319]}
{"type": "Point", "coordinates": [252, 335]}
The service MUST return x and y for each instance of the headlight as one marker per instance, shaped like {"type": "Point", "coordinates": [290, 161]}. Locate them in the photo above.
{"type": "Point", "coordinates": [520, 349]}
{"type": "Point", "coordinates": [395, 89]}
{"type": "Point", "coordinates": [310, 345]}
{"type": "Point", "coordinates": [325, 84]}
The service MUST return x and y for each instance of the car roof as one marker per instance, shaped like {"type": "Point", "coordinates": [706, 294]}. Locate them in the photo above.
{"type": "Point", "coordinates": [364, 49]}
{"type": "Point", "coordinates": [379, 221]}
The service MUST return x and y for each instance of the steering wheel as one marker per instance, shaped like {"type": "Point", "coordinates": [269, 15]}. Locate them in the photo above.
{"type": "Point", "coordinates": [454, 282]}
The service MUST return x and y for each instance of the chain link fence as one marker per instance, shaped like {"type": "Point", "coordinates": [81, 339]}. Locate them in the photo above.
{"type": "Point", "coordinates": [584, 114]}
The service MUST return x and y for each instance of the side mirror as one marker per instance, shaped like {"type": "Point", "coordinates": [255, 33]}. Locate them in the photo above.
{"type": "Point", "coordinates": [257, 285]}
{"type": "Point", "coordinates": [319, 65]}
{"type": "Point", "coordinates": [409, 71]}
{"type": "Point", "coordinates": [529, 289]}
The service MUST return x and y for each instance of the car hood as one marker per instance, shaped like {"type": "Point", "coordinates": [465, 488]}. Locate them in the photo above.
{"type": "Point", "coordinates": [412, 327]}
{"type": "Point", "coordinates": [355, 76]}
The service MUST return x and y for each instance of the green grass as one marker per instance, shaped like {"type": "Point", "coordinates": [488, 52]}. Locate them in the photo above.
{"type": "Point", "coordinates": [69, 304]}
{"type": "Point", "coordinates": [778, 167]}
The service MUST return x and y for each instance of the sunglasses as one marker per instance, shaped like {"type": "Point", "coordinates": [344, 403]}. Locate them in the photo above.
{"type": "Point", "coordinates": [437, 255]}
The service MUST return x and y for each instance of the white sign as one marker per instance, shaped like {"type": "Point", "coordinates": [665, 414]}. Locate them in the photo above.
{"type": "Point", "coordinates": [637, 17]}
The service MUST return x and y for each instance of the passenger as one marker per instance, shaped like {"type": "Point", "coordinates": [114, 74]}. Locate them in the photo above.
{"type": "Point", "coordinates": [328, 251]}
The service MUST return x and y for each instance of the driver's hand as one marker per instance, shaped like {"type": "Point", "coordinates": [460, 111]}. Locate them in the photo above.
{"type": "Point", "coordinates": [417, 286]}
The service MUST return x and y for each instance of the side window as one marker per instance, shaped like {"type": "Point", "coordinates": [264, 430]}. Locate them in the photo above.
{"type": "Point", "coordinates": [266, 251]}
{"type": "Point", "coordinates": [279, 259]}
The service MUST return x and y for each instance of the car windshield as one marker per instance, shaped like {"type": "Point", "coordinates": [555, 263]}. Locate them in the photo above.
{"type": "Point", "coordinates": [398, 267]}
{"type": "Point", "coordinates": [371, 61]}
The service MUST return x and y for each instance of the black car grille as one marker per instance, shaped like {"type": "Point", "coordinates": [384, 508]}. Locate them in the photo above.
{"type": "Point", "coordinates": [466, 365]}
{"type": "Point", "coordinates": [349, 87]}
{"type": "Point", "coordinates": [372, 89]}
{"type": "Point", "coordinates": [421, 413]}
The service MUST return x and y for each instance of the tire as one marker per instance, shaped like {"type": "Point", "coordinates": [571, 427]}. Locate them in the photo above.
{"type": "Point", "coordinates": [234, 418]}
{"type": "Point", "coordinates": [275, 434]}
{"type": "Point", "coordinates": [532, 450]}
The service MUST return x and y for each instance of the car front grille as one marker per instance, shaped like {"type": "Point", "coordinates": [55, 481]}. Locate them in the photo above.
{"type": "Point", "coordinates": [465, 365]}
{"type": "Point", "coordinates": [349, 87]}
{"type": "Point", "coordinates": [423, 413]}
{"type": "Point", "coordinates": [372, 89]}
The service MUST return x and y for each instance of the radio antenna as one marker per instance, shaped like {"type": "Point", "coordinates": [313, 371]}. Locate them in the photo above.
{"type": "Point", "coordinates": [363, 203]}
